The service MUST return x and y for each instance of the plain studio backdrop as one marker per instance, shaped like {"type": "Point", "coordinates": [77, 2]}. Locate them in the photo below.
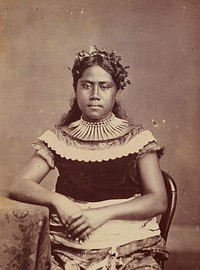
{"type": "Point", "coordinates": [159, 40]}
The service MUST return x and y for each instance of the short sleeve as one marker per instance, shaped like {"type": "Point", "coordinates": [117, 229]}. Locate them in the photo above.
{"type": "Point", "coordinates": [150, 148]}
{"type": "Point", "coordinates": [42, 150]}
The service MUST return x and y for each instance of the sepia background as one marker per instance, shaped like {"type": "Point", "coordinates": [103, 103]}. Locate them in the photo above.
{"type": "Point", "coordinates": [158, 39]}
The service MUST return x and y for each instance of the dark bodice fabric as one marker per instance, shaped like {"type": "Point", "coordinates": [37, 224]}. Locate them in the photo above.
{"type": "Point", "coordinates": [113, 179]}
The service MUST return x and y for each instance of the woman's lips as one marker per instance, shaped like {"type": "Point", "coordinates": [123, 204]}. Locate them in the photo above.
{"type": "Point", "coordinates": [94, 105]}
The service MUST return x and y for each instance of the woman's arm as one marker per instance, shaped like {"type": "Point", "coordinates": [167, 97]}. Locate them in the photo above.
{"type": "Point", "coordinates": [26, 187]}
{"type": "Point", "coordinates": [154, 197]}
{"type": "Point", "coordinates": [152, 202]}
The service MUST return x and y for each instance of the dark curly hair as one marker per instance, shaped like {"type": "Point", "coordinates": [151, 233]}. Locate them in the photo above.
{"type": "Point", "coordinates": [109, 62]}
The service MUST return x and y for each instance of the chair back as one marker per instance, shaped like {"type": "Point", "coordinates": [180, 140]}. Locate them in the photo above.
{"type": "Point", "coordinates": [166, 218]}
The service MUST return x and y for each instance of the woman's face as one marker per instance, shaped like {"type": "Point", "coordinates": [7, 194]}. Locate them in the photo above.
{"type": "Point", "coordinates": [96, 93]}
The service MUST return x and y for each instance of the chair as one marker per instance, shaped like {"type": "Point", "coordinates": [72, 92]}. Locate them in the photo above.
{"type": "Point", "coordinates": [166, 218]}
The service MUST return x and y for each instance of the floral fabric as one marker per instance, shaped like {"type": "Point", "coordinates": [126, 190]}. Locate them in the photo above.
{"type": "Point", "coordinates": [24, 234]}
{"type": "Point", "coordinates": [141, 254]}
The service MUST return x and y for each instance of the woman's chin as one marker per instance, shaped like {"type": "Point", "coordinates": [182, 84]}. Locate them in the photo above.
{"type": "Point", "coordinates": [95, 117]}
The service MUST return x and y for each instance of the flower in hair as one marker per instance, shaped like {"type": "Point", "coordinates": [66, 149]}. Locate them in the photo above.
{"type": "Point", "coordinates": [120, 74]}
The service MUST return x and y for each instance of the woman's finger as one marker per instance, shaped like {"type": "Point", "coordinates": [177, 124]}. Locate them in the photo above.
{"type": "Point", "coordinates": [74, 217]}
{"type": "Point", "coordinates": [77, 223]}
{"type": "Point", "coordinates": [79, 230]}
{"type": "Point", "coordinates": [85, 235]}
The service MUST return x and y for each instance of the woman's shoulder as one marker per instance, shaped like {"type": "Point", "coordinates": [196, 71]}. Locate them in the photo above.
{"type": "Point", "coordinates": [135, 129]}
{"type": "Point", "coordinates": [145, 140]}
{"type": "Point", "coordinates": [135, 140]}
{"type": "Point", "coordinates": [134, 134]}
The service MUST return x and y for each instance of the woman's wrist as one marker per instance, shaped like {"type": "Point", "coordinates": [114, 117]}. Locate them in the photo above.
{"type": "Point", "coordinates": [58, 200]}
{"type": "Point", "coordinates": [55, 198]}
{"type": "Point", "coordinates": [108, 213]}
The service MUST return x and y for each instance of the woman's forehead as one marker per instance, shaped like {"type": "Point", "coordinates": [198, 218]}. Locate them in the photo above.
{"type": "Point", "coordinates": [96, 73]}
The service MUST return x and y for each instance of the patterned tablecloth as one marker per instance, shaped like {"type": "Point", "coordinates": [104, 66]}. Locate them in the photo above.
{"type": "Point", "coordinates": [24, 236]}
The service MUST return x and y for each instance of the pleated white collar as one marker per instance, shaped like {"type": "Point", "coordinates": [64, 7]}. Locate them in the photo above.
{"type": "Point", "coordinates": [110, 128]}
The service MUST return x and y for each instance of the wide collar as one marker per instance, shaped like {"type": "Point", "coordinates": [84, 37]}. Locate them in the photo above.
{"type": "Point", "coordinates": [69, 148]}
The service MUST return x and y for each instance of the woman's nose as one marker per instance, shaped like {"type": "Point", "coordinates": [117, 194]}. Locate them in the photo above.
{"type": "Point", "coordinates": [95, 93]}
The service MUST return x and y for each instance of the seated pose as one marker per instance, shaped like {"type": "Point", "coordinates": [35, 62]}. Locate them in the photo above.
{"type": "Point", "coordinates": [110, 187]}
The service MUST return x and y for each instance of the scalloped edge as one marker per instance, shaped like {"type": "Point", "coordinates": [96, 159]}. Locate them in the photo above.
{"type": "Point", "coordinates": [69, 152]}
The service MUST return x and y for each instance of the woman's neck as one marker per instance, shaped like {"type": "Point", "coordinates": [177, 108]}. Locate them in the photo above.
{"type": "Point", "coordinates": [106, 129]}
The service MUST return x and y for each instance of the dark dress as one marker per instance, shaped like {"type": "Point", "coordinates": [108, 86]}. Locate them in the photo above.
{"type": "Point", "coordinates": [96, 171]}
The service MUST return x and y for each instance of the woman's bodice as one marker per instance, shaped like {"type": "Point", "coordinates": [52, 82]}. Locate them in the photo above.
{"type": "Point", "coordinates": [97, 170]}
{"type": "Point", "coordinates": [96, 181]}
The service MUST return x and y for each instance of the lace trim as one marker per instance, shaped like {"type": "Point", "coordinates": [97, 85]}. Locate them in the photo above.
{"type": "Point", "coordinates": [64, 136]}
{"type": "Point", "coordinates": [44, 152]}
{"type": "Point", "coordinates": [153, 147]}
{"type": "Point", "coordinates": [70, 152]}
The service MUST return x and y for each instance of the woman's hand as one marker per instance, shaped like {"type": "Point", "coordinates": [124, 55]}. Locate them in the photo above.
{"type": "Point", "coordinates": [84, 222]}
{"type": "Point", "coordinates": [65, 208]}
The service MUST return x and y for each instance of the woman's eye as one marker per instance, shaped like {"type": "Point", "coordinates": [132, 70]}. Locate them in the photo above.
{"type": "Point", "coordinates": [105, 87]}
{"type": "Point", "coordinates": [87, 86]}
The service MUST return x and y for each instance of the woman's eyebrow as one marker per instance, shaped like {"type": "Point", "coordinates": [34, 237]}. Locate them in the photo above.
{"type": "Point", "coordinates": [101, 82]}
{"type": "Point", "coordinates": [105, 82]}
{"type": "Point", "coordinates": [86, 81]}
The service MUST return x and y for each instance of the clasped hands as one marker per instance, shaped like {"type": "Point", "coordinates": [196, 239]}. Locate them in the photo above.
{"type": "Point", "coordinates": [79, 223]}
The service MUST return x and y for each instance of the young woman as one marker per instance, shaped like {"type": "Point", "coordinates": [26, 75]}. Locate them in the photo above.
{"type": "Point", "coordinates": [110, 187]}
